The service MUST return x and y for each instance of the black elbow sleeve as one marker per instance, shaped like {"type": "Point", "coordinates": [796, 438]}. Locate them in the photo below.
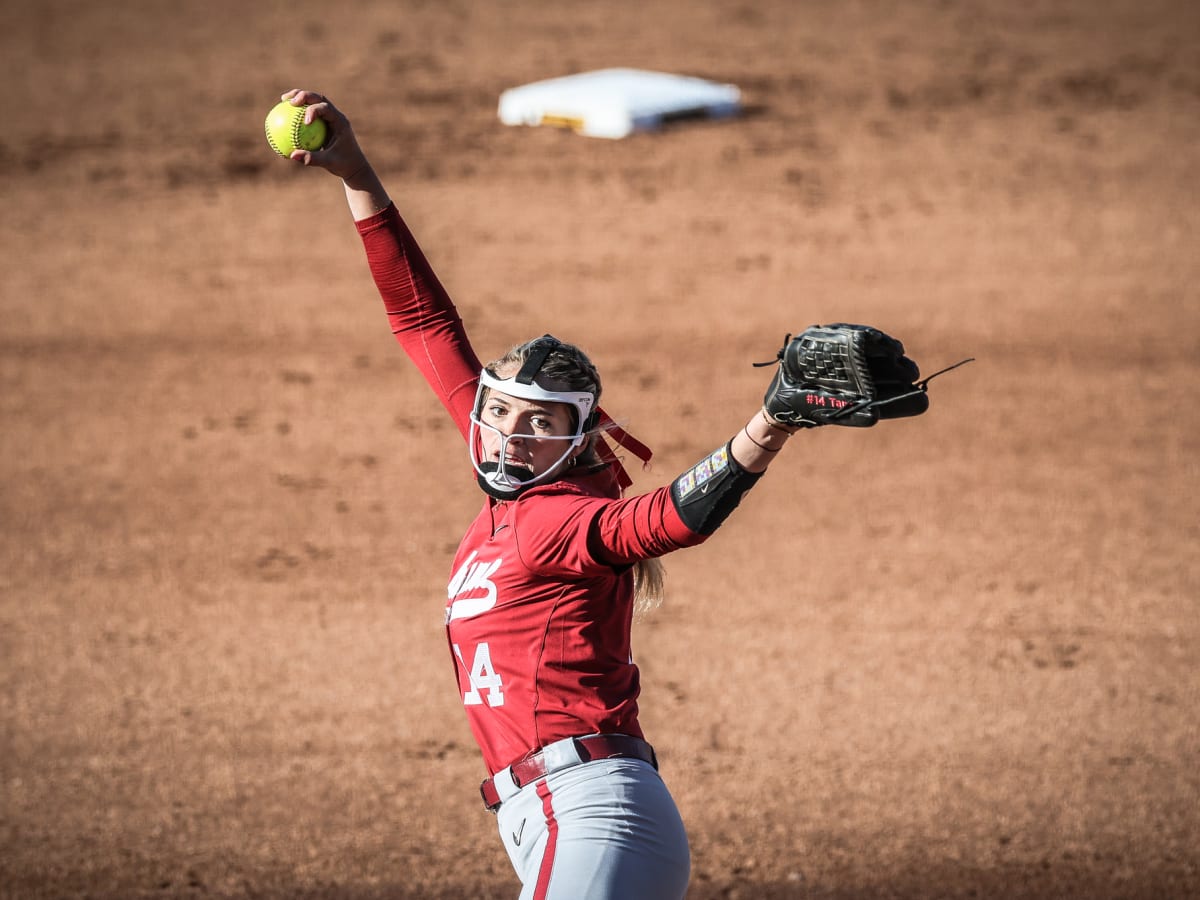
{"type": "Point", "coordinates": [709, 491]}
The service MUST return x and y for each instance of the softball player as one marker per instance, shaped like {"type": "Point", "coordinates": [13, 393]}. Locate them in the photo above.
{"type": "Point", "coordinates": [543, 585]}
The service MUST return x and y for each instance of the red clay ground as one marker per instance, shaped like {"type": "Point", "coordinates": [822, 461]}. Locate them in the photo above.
{"type": "Point", "coordinates": [950, 657]}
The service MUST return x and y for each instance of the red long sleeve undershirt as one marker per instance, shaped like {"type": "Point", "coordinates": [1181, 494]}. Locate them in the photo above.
{"type": "Point", "coordinates": [421, 313]}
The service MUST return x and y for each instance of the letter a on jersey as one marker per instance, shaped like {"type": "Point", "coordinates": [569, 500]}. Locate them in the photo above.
{"type": "Point", "coordinates": [465, 587]}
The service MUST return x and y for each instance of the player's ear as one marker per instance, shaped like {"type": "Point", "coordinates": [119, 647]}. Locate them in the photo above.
{"type": "Point", "coordinates": [577, 452]}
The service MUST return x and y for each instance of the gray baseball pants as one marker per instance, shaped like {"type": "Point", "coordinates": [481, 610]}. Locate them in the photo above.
{"type": "Point", "coordinates": [602, 830]}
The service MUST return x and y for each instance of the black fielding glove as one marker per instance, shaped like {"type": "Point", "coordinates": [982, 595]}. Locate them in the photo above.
{"type": "Point", "coordinates": [843, 374]}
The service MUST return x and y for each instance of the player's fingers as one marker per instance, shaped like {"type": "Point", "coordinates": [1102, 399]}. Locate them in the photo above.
{"type": "Point", "coordinates": [301, 97]}
{"type": "Point", "coordinates": [321, 159]}
{"type": "Point", "coordinates": [319, 107]}
{"type": "Point", "coordinates": [322, 109]}
{"type": "Point", "coordinates": [333, 159]}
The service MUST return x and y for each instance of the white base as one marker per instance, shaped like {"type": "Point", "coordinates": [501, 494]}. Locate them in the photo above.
{"type": "Point", "coordinates": [613, 103]}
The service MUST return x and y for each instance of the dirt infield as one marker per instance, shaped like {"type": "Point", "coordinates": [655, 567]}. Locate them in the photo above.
{"type": "Point", "coordinates": [955, 656]}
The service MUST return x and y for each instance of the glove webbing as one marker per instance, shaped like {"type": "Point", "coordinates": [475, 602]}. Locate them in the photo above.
{"type": "Point", "coordinates": [921, 386]}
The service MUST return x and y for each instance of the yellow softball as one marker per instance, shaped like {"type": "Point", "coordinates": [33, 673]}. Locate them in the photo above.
{"type": "Point", "coordinates": [286, 130]}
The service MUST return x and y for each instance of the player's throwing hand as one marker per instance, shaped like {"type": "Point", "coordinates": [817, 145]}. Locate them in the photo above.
{"type": "Point", "coordinates": [340, 154]}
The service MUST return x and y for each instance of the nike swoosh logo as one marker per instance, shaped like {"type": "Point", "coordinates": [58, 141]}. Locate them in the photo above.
{"type": "Point", "coordinates": [518, 833]}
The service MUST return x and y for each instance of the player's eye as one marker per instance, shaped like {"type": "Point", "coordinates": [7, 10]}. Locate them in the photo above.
{"type": "Point", "coordinates": [541, 423]}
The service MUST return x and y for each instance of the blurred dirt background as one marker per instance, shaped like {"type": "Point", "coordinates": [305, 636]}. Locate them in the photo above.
{"type": "Point", "coordinates": [950, 657]}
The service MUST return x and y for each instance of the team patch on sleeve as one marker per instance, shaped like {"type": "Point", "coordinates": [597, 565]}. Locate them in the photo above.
{"type": "Point", "coordinates": [703, 472]}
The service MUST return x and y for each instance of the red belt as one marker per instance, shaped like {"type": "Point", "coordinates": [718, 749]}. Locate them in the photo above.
{"type": "Point", "coordinates": [584, 749]}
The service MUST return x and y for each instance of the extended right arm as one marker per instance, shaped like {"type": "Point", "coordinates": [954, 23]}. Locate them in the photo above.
{"type": "Point", "coordinates": [423, 318]}
{"type": "Point", "coordinates": [421, 314]}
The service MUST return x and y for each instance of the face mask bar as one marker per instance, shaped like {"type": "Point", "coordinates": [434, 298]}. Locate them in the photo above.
{"type": "Point", "coordinates": [500, 479]}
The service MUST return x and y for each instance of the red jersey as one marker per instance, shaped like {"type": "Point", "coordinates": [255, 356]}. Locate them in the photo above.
{"type": "Point", "coordinates": [540, 597]}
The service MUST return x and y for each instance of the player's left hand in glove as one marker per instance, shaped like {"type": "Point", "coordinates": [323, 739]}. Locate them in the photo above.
{"type": "Point", "coordinates": [845, 374]}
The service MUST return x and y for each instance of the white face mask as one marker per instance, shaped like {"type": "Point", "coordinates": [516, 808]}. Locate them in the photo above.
{"type": "Point", "coordinates": [502, 479]}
